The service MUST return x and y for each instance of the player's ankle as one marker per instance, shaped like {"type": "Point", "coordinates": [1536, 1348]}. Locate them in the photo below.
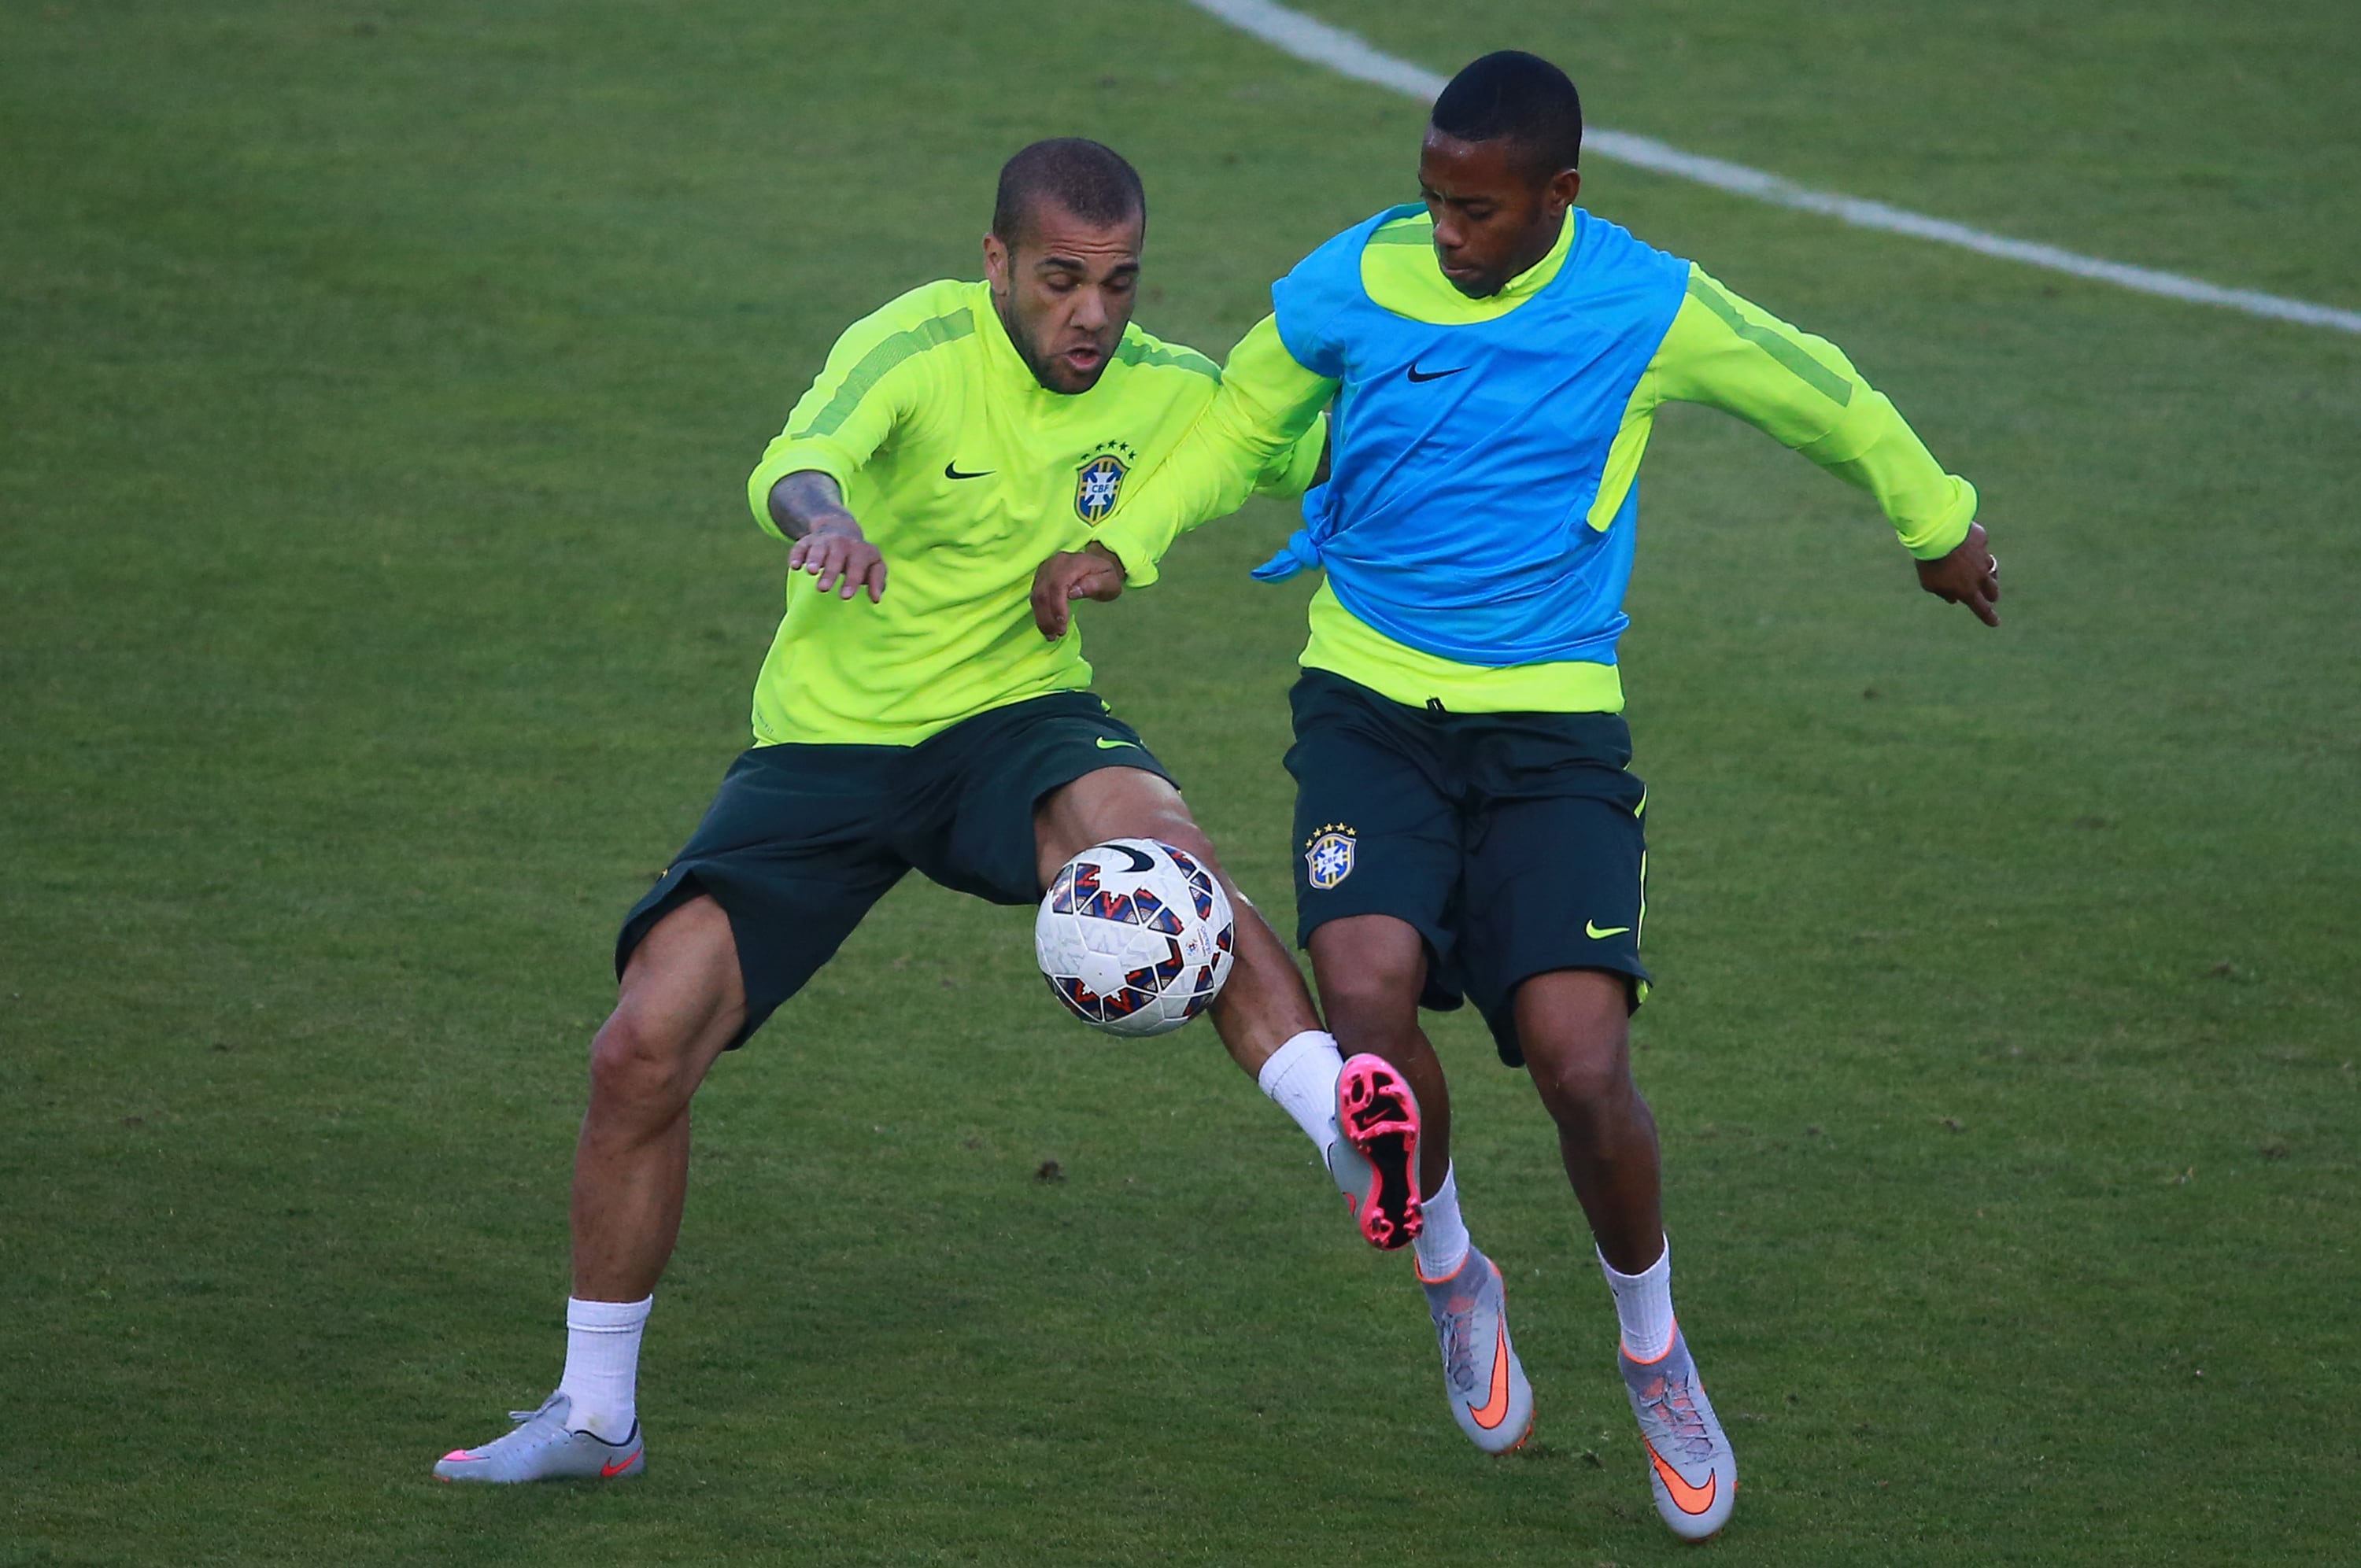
{"type": "Point", "coordinates": [1442, 1242]}
{"type": "Point", "coordinates": [1300, 1078]}
{"type": "Point", "coordinates": [1644, 1305]}
{"type": "Point", "coordinates": [602, 1363]}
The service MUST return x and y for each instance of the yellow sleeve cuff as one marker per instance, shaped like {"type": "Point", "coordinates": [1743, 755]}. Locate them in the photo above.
{"type": "Point", "coordinates": [1138, 547]}
{"type": "Point", "coordinates": [783, 457]}
{"type": "Point", "coordinates": [1931, 509]}
{"type": "Point", "coordinates": [1938, 539]}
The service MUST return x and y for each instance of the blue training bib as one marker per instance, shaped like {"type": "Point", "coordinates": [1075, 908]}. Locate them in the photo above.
{"type": "Point", "coordinates": [1467, 455]}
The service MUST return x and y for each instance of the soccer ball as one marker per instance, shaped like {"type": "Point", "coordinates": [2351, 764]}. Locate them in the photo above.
{"type": "Point", "coordinates": [1134, 937]}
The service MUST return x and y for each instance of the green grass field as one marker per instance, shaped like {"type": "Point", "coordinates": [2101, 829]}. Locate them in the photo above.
{"type": "Point", "coordinates": [378, 607]}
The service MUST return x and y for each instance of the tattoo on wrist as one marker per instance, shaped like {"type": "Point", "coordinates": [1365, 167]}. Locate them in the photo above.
{"type": "Point", "coordinates": [805, 502]}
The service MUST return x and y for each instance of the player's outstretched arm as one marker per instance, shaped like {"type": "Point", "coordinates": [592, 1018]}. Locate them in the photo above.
{"type": "Point", "coordinates": [1732, 355]}
{"type": "Point", "coordinates": [1258, 427]}
{"type": "Point", "coordinates": [809, 510]}
{"type": "Point", "coordinates": [1970, 575]}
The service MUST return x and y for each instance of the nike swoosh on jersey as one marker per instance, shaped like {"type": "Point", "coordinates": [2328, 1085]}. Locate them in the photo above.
{"type": "Point", "coordinates": [1432, 375]}
{"type": "Point", "coordinates": [950, 471]}
{"type": "Point", "coordinates": [1107, 745]}
{"type": "Point", "coordinates": [1687, 1498]}
{"type": "Point", "coordinates": [1598, 933]}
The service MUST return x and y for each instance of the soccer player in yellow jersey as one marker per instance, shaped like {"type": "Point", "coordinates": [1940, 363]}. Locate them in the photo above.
{"type": "Point", "coordinates": [909, 717]}
{"type": "Point", "coordinates": [1468, 823]}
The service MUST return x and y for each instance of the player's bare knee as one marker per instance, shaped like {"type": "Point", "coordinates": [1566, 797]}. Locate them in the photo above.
{"type": "Point", "coordinates": [638, 1065]}
{"type": "Point", "coordinates": [1579, 1078]}
{"type": "Point", "coordinates": [1372, 1006]}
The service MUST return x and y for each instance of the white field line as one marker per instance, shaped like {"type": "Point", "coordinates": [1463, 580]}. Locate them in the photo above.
{"type": "Point", "coordinates": [1349, 55]}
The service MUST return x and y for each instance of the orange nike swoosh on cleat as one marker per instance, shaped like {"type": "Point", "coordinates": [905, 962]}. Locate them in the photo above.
{"type": "Point", "coordinates": [1495, 1408]}
{"type": "Point", "coordinates": [617, 1469]}
{"type": "Point", "coordinates": [1687, 1498]}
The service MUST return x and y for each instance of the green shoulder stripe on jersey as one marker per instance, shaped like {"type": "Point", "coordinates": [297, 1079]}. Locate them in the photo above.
{"type": "Point", "coordinates": [1418, 230]}
{"type": "Point", "coordinates": [878, 362]}
{"type": "Point", "coordinates": [1132, 351]}
{"type": "Point", "coordinates": [1785, 350]}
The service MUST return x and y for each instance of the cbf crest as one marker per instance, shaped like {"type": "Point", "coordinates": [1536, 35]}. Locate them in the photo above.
{"type": "Point", "coordinates": [1098, 484]}
{"type": "Point", "coordinates": [1328, 855]}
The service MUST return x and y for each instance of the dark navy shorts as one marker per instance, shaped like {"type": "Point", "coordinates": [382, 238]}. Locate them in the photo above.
{"type": "Point", "coordinates": [800, 841]}
{"type": "Point", "coordinates": [1511, 842]}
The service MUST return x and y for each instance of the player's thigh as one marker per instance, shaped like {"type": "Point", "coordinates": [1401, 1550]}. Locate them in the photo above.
{"type": "Point", "coordinates": [1556, 884]}
{"type": "Point", "coordinates": [1112, 803]}
{"type": "Point", "coordinates": [1573, 1027]}
{"type": "Point", "coordinates": [1371, 970]}
{"type": "Point", "coordinates": [792, 854]}
{"type": "Point", "coordinates": [1002, 784]}
{"type": "Point", "coordinates": [1375, 834]}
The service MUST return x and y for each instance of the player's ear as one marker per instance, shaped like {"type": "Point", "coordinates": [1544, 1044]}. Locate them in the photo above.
{"type": "Point", "coordinates": [996, 264]}
{"type": "Point", "coordinates": [1563, 187]}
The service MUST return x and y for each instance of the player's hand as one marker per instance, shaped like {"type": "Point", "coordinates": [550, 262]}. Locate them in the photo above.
{"type": "Point", "coordinates": [1969, 576]}
{"type": "Point", "coordinates": [840, 555]}
{"type": "Point", "coordinates": [1093, 572]}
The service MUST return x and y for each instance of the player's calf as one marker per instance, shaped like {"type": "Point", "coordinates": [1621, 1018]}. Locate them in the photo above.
{"type": "Point", "coordinates": [1573, 1027]}
{"type": "Point", "coordinates": [1264, 1004]}
{"type": "Point", "coordinates": [681, 1001]}
{"type": "Point", "coordinates": [1264, 1011]}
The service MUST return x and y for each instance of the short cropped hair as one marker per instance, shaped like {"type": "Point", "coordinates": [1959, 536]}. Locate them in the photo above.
{"type": "Point", "coordinates": [1084, 178]}
{"type": "Point", "coordinates": [1521, 98]}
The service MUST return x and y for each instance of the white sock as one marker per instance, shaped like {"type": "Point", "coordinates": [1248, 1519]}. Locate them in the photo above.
{"type": "Point", "coordinates": [1644, 1303]}
{"type": "Point", "coordinates": [1300, 1076]}
{"type": "Point", "coordinates": [1442, 1242]}
{"type": "Point", "coordinates": [602, 1366]}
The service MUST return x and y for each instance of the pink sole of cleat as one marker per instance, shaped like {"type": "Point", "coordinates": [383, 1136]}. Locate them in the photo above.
{"type": "Point", "coordinates": [1379, 1116]}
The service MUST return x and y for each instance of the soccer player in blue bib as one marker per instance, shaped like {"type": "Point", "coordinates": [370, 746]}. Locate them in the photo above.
{"type": "Point", "coordinates": [1468, 823]}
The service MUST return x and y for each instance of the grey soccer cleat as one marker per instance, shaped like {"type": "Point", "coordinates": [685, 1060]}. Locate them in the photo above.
{"type": "Point", "coordinates": [542, 1449]}
{"type": "Point", "coordinates": [1689, 1463]}
{"type": "Point", "coordinates": [1489, 1395]}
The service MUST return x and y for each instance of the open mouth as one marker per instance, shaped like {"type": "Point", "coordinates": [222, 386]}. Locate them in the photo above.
{"type": "Point", "coordinates": [1085, 358]}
